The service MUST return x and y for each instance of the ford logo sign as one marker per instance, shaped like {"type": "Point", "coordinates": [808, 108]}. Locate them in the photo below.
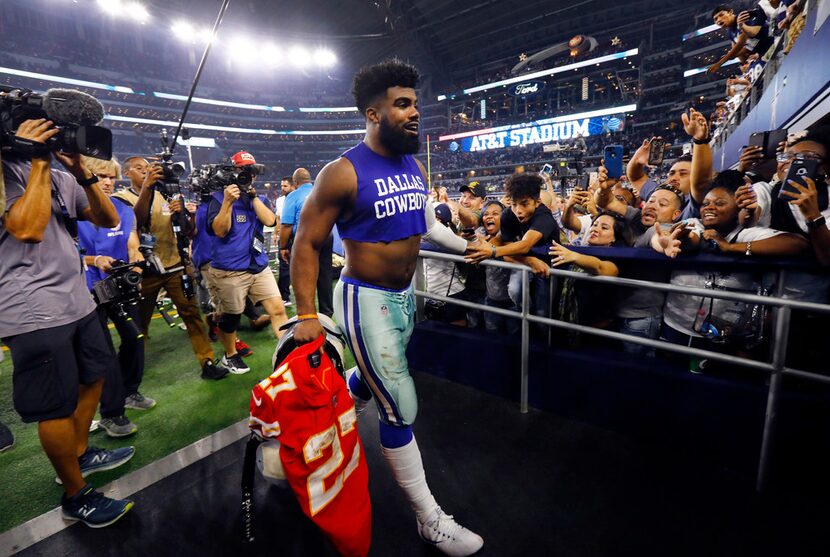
{"type": "Point", "coordinates": [527, 88]}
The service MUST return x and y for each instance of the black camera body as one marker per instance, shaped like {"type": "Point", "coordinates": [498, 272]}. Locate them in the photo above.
{"type": "Point", "coordinates": [66, 109]}
{"type": "Point", "coordinates": [121, 285]}
{"type": "Point", "coordinates": [210, 178]}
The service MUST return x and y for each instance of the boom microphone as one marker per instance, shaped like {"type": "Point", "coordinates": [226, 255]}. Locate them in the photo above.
{"type": "Point", "coordinates": [66, 106]}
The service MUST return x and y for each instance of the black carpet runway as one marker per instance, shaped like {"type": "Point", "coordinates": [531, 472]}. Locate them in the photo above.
{"type": "Point", "coordinates": [531, 484]}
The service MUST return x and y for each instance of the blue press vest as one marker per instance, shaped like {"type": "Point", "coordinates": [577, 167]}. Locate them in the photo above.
{"type": "Point", "coordinates": [234, 251]}
{"type": "Point", "coordinates": [106, 241]}
{"type": "Point", "coordinates": [391, 196]}
{"type": "Point", "coordinates": [202, 245]}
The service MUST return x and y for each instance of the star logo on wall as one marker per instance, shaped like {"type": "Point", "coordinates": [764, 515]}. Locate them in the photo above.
{"type": "Point", "coordinates": [616, 41]}
{"type": "Point", "coordinates": [522, 57]}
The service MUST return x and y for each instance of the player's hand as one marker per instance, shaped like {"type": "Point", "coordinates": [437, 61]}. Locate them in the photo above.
{"type": "Point", "coordinates": [285, 255]}
{"type": "Point", "coordinates": [175, 206]}
{"type": "Point", "coordinates": [743, 17]}
{"type": "Point", "coordinates": [308, 330]}
{"type": "Point", "coordinates": [154, 174]}
{"type": "Point", "coordinates": [232, 193]}
{"type": "Point", "coordinates": [714, 68]}
{"type": "Point", "coordinates": [478, 251]}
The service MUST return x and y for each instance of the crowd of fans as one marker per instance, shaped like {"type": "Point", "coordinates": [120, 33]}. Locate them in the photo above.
{"type": "Point", "coordinates": [678, 210]}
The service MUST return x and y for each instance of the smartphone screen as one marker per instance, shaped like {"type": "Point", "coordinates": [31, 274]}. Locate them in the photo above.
{"type": "Point", "coordinates": [799, 169]}
{"type": "Point", "coordinates": [612, 160]}
{"type": "Point", "coordinates": [547, 169]}
{"type": "Point", "coordinates": [656, 152]}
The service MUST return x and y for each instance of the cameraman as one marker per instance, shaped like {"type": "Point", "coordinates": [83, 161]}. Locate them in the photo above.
{"type": "Point", "coordinates": [102, 248]}
{"type": "Point", "coordinates": [239, 266]}
{"type": "Point", "coordinates": [155, 213]}
{"type": "Point", "coordinates": [58, 349]}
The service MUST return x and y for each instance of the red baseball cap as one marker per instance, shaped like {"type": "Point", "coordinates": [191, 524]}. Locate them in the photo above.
{"type": "Point", "coordinates": [243, 158]}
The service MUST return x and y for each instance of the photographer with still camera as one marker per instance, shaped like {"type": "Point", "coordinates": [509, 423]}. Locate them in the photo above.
{"type": "Point", "coordinates": [114, 285]}
{"type": "Point", "coordinates": [155, 212]}
{"type": "Point", "coordinates": [59, 351]}
{"type": "Point", "coordinates": [239, 267]}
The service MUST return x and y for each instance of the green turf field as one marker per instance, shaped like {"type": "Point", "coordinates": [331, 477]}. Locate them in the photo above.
{"type": "Point", "coordinates": [189, 408]}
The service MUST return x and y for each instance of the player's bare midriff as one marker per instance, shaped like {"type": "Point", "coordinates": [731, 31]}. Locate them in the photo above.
{"type": "Point", "coordinates": [390, 265]}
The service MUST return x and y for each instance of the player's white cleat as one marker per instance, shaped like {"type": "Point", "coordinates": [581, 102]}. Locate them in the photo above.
{"type": "Point", "coordinates": [442, 531]}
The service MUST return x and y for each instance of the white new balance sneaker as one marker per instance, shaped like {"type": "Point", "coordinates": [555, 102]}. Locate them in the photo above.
{"type": "Point", "coordinates": [442, 531]}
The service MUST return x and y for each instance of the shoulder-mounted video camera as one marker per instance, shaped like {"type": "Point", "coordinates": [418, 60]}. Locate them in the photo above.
{"type": "Point", "coordinates": [73, 112]}
{"type": "Point", "coordinates": [210, 178]}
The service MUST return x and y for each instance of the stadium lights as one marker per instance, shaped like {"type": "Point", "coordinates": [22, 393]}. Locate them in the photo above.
{"type": "Point", "coordinates": [119, 8]}
{"type": "Point", "coordinates": [170, 96]}
{"type": "Point", "coordinates": [299, 56]}
{"type": "Point", "coordinates": [701, 31]}
{"type": "Point", "coordinates": [232, 130]}
{"type": "Point", "coordinates": [324, 58]}
{"type": "Point", "coordinates": [112, 7]}
{"type": "Point", "coordinates": [137, 11]}
{"type": "Point", "coordinates": [549, 72]}
{"type": "Point", "coordinates": [242, 50]}
{"type": "Point", "coordinates": [271, 55]}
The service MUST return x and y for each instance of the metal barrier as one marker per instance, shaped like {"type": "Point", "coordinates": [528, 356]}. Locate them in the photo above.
{"type": "Point", "coordinates": [782, 309]}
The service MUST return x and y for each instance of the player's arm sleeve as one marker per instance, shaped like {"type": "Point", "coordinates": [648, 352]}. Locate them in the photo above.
{"type": "Point", "coordinates": [440, 235]}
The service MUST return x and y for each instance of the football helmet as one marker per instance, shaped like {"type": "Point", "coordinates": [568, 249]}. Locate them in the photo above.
{"type": "Point", "coordinates": [334, 345]}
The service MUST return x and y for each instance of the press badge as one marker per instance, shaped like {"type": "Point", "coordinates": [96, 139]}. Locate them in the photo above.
{"type": "Point", "coordinates": [258, 245]}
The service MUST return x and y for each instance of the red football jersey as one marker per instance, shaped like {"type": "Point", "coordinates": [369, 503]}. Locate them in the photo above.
{"type": "Point", "coordinates": [311, 413]}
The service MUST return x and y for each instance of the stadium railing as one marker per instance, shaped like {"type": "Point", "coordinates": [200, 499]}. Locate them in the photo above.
{"type": "Point", "coordinates": [781, 308]}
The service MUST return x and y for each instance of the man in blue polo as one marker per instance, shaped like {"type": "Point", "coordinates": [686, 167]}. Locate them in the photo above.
{"type": "Point", "coordinates": [289, 220]}
{"type": "Point", "coordinates": [239, 260]}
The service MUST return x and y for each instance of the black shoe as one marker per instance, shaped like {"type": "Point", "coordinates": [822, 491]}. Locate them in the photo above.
{"type": "Point", "coordinates": [213, 329]}
{"type": "Point", "coordinates": [212, 371]}
{"type": "Point", "coordinates": [6, 438]}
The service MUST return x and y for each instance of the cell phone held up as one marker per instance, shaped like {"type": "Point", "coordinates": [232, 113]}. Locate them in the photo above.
{"type": "Point", "coordinates": [799, 169]}
{"type": "Point", "coordinates": [768, 141]}
{"type": "Point", "coordinates": [613, 161]}
{"type": "Point", "coordinates": [656, 152]}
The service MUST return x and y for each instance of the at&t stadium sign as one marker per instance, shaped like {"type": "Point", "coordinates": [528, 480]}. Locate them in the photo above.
{"type": "Point", "coordinates": [549, 130]}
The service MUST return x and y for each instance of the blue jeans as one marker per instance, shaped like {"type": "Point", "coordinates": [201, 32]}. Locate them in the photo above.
{"type": "Point", "coordinates": [539, 295]}
{"type": "Point", "coordinates": [500, 323]}
{"type": "Point", "coordinates": [644, 327]}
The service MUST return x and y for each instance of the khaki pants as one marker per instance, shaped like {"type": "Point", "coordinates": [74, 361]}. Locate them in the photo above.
{"type": "Point", "coordinates": [188, 311]}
